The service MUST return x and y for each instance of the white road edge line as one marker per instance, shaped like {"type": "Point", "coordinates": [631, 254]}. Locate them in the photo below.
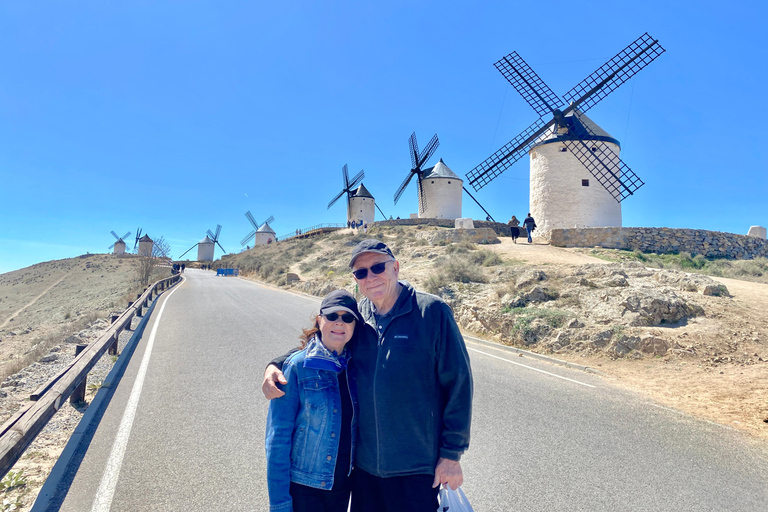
{"type": "Point", "coordinates": [103, 500]}
{"type": "Point", "coordinates": [532, 368]}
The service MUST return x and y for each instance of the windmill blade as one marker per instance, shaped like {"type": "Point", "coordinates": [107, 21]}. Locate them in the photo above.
{"type": "Point", "coordinates": [503, 158]}
{"type": "Point", "coordinates": [185, 252]}
{"type": "Point", "coordinates": [270, 219]}
{"type": "Point", "coordinates": [356, 180]}
{"type": "Point", "coordinates": [218, 232]}
{"type": "Point", "coordinates": [403, 185]}
{"type": "Point", "coordinates": [422, 198]}
{"type": "Point", "coordinates": [528, 84]}
{"type": "Point", "coordinates": [590, 91]}
{"type": "Point", "coordinates": [115, 235]}
{"type": "Point", "coordinates": [607, 168]}
{"type": "Point", "coordinates": [111, 246]}
{"type": "Point", "coordinates": [138, 236]}
{"type": "Point", "coordinates": [245, 240]}
{"type": "Point", "coordinates": [413, 148]}
{"type": "Point", "coordinates": [210, 235]}
{"type": "Point", "coordinates": [223, 249]}
{"type": "Point", "coordinates": [428, 151]}
{"type": "Point", "coordinates": [336, 198]}
{"type": "Point", "coordinates": [345, 175]}
{"type": "Point", "coordinates": [381, 212]}
{"type": "Point", "coordinates": [125, 236]}
{"type": "Point", "coordinates": [251, 219]}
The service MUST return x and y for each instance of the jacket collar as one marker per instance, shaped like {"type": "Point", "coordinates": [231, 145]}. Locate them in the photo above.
{"type": "Point", "coordinates": [320, 358]}
{"type": "Point", "coordinates": [403, 304]}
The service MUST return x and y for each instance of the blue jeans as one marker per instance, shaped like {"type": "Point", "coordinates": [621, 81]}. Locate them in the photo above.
{"type": "Point", "coordinates": [529, 230]}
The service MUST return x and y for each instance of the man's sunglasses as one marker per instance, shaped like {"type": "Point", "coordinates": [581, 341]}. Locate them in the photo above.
{"type": "Point", "coordinates": [347, 318]}
{"type": "Point", "coordinates": [378, 268]}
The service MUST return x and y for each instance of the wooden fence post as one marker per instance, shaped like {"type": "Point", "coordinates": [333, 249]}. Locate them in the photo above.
{"type": "Point", "coordinates": [113, 347]}
{"type": "Point", "coordinates": [78, 395]}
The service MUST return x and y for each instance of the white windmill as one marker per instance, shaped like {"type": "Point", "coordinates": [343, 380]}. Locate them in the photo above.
{"type": "Point", "coordinates": [206, 247]}
{"type": "Point", "coordinates": [119, 245]}
{"type": "Point", "coordinates": [262, 234]}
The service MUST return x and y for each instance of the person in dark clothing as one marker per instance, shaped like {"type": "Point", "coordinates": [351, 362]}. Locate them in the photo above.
{"type": "Point", "coordinates": [409, 346]}
{"type": "Point", "coordinates": [310, 448]}
{"type": "Point", "coordinates": [514, 229]}
{"type": "Point", "coordinates": [530, 225]}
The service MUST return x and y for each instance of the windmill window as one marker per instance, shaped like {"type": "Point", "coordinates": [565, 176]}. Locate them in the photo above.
{"type": "Point", "coordinates": [449, 182]}
{"type": "Point", "coordinates": [432, 181]}
{"type": "Point", "coordinates": [584, 183]}
{"type": "Point", "coordinates": [563, 149]}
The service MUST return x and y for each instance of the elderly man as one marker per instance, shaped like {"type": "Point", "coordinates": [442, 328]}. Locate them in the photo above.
{"type": "Point", "coordinates": [415, 390]}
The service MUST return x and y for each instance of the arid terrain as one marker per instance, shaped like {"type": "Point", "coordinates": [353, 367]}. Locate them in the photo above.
{"type": "Point", "coordinates": [691, 342]}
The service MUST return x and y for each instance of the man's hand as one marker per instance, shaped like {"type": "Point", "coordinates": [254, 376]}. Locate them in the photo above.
{"type": "Point", "coordinates": [269, 386]}
{"type": "Point", "coordinates": [448, 472]}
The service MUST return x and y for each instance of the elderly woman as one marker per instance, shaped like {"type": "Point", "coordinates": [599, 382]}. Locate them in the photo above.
{"type": "Point", "coordinates": [311, 430]}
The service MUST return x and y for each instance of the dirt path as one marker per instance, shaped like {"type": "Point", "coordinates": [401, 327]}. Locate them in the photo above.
{"type": "Point", "coordinates": [540, 253]}
{"type": "Point", "coordinates": [16, 313]}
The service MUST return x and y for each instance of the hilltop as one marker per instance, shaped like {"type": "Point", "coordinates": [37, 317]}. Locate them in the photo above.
{"type": "Point", "coordinates": [688, 340]}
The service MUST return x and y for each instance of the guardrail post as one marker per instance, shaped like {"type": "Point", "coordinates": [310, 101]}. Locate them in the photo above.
{"type": "Point", "coordinates": [78, 395]}
{"type": "Point", "coordinates": [113, 347]}
{"type": "Point", "coordinates": [138, 310]}
{"type": "Point", "coordinates": [130, 303]}
{"type": "Point", "coordinates": [114, 318]}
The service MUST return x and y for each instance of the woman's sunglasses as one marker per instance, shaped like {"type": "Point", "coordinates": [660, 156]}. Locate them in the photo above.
{"type": "Point", "coordinates": [378, 268]}
{"type": "Point", "coordinates": [347, 318]}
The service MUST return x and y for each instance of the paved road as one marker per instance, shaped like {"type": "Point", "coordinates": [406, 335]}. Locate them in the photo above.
{"type": "Point", "coordinates": [543, 438]}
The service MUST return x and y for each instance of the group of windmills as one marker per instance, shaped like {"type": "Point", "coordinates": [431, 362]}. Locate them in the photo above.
{"type": "Point", "coordinates": [577, 178]}
{"type": "Point", "coordinates": [144, 243]}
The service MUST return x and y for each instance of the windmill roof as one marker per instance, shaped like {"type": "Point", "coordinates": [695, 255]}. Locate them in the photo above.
{"type": "Point", "coordinates": [440, 170]}
{"type": "Point", "coordinates": [362, 192]}
{"type": "Point", "coordinates": [580, 126]}
{"type": "Point", "coordinates": [206, 240]}
{"type": "Point", "coordinates": [265, 229]}
{"type": "Point", "coordinates": [145, 238]}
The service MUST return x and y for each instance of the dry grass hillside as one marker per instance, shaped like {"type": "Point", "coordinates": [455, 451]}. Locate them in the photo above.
{"type": "Point", "coordinates": [655, 324]}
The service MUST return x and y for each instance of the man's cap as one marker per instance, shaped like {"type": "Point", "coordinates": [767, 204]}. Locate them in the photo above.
{"type": "Point", "coordinates": [339, 300]}
{"type": "Point", "coordinates": [370, 245]}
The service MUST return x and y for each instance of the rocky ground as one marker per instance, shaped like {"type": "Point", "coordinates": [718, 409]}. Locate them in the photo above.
{"type": "Point", "coordinates": [692, 342]}
{"type": "Point", "coordinates": [45, 311]}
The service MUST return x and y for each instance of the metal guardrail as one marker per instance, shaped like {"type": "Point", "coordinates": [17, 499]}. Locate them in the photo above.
{"type": "Point", "coordinates": [20, 430]}
{"type": "Point", "coordinates": [312, 230]}
{"type": "Point", "coordinates": [227, 272]}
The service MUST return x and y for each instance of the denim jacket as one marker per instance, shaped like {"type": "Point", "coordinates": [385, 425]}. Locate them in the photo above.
{"type": "Point", "coordinates": [303, 427]}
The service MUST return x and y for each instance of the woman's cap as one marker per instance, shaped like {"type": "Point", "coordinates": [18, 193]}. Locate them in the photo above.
{"type": "Point", "coordinates": [339, 300]}
{"type": "Point", "coordinates": [370, 245]}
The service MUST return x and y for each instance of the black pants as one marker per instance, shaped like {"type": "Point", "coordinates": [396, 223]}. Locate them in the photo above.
{"type": "Point", "coordinates": [309, 499]}
{"type": "Point", "coordinates": [412, 493]}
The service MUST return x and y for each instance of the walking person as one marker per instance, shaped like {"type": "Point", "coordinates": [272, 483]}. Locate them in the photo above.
{"type": "Point", "coordinates": [530, 225]}
{"type": "Point", "coordinates": [310, 448]}
{"type": "Point", "coordinates": [409, 346]}
{"type": "Point", "coordinates": [514, 229]}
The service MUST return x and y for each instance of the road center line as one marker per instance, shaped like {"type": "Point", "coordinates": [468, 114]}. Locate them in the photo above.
{"type": "Point", "coordinates": [532, 368]}
{"type": "Point", "coordinates": [103, 500]}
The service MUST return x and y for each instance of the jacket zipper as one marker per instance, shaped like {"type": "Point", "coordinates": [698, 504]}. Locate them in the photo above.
{"type": "Point", "coordinates": [351, 432]}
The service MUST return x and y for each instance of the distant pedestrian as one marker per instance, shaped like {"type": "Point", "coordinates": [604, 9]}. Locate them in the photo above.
{"type": "Point", "coordinates": [365, 228]}
{"type": "Point", "coordinates": [530, 225]}
{"type": "Point", "coordinates": [183, 266]}
{"type": "Point", "coordinates": [514, 229]}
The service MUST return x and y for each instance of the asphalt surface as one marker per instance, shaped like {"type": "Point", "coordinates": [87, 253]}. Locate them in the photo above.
{"type": "Point", "coordinates": [544, 437]}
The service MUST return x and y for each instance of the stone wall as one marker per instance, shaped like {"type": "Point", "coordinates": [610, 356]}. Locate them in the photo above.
{"type": "Point", "coordinates": [498, 227]}
{"type": "Point", "coordinates": [712, 244]}
{"type": "Point", "coordinates": [476, 235]}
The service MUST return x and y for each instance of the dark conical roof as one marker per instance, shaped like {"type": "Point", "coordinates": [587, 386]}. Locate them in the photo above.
{"type": "Point", "coordinates": [362, 192]}
{"type": "Point", "coordinates": [145, 238]}
{"type": "Point", "coordinates": [579, 127]}
{"type": "Point", "coordinates": [440, 170]}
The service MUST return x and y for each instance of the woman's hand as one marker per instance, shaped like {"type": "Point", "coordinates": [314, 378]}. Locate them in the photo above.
{"type": "Point", "coordinates": [272, 375]}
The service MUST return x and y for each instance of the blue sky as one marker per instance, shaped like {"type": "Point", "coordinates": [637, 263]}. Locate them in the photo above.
{"type": "Point", "coordinates": [177, 116]}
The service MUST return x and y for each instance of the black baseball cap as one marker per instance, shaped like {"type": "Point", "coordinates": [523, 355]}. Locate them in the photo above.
{"type": "Point", "coordinates": [370, 245]}
{"type": "Point", "coordinates": [339, 300]}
